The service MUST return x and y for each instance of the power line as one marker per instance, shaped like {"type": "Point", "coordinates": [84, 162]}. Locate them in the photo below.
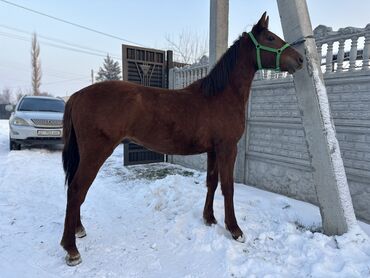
{"type": "Point", "coordinates": [54, 70]}
{"type": "Point", "coordinates": [53, 82]}
{"type": "Point", "coordinates": [18, 37]}
{"type": "Point", "coordinates": [29, 70]}
{"type": "Point", "coordinates": [58, 40]}
{"type": "Point", "coordinates": [66, 80]}
{"type": "Point", "coordinates": [70, 23]}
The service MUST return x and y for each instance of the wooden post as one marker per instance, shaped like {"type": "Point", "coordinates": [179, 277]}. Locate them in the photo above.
{"type": "Point", "coordinates": [92, 77]}
{"type": "Point", "coordinates": [169, 65]}
{"type": "Point", "coordinates": [328, 171]}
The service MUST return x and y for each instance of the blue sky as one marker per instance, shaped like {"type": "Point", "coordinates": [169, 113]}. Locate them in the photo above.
{"type": "Point", "coordinates": [146, 22]}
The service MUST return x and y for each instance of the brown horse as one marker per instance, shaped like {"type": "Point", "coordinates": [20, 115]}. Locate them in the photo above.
{"type": "Point", "coordinates": [207, 116]}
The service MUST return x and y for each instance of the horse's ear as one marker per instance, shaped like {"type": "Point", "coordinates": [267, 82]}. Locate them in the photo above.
{"type": "Point", "coordinates": [263, 23]}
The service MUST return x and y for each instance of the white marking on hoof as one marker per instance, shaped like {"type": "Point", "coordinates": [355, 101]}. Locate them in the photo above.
{"type": "Point", "coordinates": [241, 239]}
{"type": "Point", "coordinates": [209, 223]}
{"type": "Point", "coordinates": [73, 261]}
{"type": "Point", "coordinates": [81, 233]}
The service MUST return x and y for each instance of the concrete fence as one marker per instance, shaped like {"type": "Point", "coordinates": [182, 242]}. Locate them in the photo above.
{"type": "Point", "coordinates": [273, 154]}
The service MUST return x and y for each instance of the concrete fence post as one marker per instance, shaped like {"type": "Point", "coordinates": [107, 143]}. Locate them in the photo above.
{"type": "Point", "coordinates": [218, 29]}
{"type": "Point", "coordinates": [328, 171]}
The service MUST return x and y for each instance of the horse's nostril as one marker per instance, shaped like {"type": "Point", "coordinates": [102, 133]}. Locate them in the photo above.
{"type": "Point", "coordinates": [301, 59]}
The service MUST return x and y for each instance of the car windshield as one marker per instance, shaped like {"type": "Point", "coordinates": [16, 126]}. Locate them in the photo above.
{"type": "Point", "coordinates": [41, 104]}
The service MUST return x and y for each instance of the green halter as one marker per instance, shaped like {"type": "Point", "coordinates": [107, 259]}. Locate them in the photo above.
{"type": "Point", "coordinates": [269, 49]}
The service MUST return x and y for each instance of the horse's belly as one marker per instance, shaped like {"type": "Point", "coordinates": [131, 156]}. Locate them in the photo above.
{"type": "Point", "coordinates": [179, 147]}
{"type": "Point", "coordinates": [171, 136]}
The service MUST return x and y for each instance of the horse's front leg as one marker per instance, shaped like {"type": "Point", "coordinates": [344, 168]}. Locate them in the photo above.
{"type": "Point", "coordinates": [212, 181]}
{"type": "Point", "coordinates": [226, 155]}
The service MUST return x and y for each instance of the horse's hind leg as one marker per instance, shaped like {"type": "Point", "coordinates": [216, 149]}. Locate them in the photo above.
{"type": "Point", "coordinates": [212, 181]}
{"type": "Point", "coordinates": [90, 162]}
{"type": "Point", "coordinates": [80, 229]}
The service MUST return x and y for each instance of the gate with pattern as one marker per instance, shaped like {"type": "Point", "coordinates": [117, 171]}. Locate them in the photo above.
{"type": "Point", "coordinates": [148, 67]}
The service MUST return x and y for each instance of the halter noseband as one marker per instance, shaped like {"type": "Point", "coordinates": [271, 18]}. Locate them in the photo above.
{"type": "Point", "coordinates": [278, 52]}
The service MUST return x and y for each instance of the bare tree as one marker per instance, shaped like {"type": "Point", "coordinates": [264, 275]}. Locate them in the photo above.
{"type": "Point", "coordinates": [36, 66]}
{"type": "Point", "coordinates": [46, 94]}
{"type": "Point", "coordinates": [6, 96]}
{"type": "Point", "coordinates": [19, 94]}
{"type": "Point", "coordinates": [188, 46]}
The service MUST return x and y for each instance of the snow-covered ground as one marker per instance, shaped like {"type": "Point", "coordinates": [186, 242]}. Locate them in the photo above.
{"type": "Point", "coordinates": [146, 221]}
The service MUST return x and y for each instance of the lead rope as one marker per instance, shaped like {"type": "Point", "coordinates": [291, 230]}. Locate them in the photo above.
{"type": "Point", "coordinates": [301, 40]}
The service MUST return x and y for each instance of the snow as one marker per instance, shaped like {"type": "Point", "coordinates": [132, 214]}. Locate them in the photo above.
{"type": "Point", "coordinates": [146, 221]}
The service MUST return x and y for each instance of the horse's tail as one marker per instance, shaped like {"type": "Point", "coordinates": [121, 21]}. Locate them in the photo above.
{"type": "Point", "coordinates": [70, 156]}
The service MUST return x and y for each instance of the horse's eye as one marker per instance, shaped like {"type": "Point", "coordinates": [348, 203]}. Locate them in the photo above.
{"type": "Point", "coordinates": [270, 38]}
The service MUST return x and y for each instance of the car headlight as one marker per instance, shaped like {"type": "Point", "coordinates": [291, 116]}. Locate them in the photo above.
{"type": "Point", "coordinates": [19, 121]}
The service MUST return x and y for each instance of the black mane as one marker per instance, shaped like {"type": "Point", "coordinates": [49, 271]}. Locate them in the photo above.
{"type": "Point", "coordinates": [217, 80]}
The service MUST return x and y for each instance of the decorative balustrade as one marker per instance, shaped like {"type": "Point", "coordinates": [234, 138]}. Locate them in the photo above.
{"type": "Point", "coordinates": [339, 52]}
{"type": "Point", "coordinates": [184, 76]}
{"type": "Point", "coordinates": [345, 42]}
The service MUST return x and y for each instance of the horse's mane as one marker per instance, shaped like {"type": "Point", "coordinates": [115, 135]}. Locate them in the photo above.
{"type": "Point", "coordinates": [217, 80]}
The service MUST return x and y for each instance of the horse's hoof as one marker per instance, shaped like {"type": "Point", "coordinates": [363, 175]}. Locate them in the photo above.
{"type": "Point", "coordinates": [73, 260]}
{"type": "Point", "coordinates": [209, 222]}
{"type": "Point", "coordinates": [240, 239]}
{"type": "Point", "coordinates": [237, 235]}
{"type": "Point", "coordinates": [81, 233]}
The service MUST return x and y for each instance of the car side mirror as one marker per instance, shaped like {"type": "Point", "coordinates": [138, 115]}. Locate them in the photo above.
{"type": "Point", "coordinates": [9, 108]}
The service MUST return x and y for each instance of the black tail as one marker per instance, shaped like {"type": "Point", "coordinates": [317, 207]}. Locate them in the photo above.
{"type": "Point", "coordinates": [70, 156]}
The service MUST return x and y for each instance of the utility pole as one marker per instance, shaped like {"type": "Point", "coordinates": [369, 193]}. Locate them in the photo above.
{"type": "Point", "coordinates": [218, 44]}
{"type": "Point", "coordinates": [92, 77]}
{"type": "Point", "coordinates": [328, 171]}
{"type": "Point", "coordinates": [218, 30]}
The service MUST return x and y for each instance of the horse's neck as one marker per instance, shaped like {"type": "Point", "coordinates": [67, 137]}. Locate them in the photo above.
{"type": "Point", "coordinates": [241, 80]}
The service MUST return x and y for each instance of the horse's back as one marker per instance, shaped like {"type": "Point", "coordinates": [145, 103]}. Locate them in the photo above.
{"type": "Point", "coordinates": [160, 119]}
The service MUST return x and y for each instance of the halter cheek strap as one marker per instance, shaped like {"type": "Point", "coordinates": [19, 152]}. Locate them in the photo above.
{"type": "Point", "coordinates": [278, 52]}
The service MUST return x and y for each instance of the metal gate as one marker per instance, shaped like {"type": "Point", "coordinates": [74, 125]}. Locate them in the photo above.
{"type": "Point", "coordinates": [148, 67]}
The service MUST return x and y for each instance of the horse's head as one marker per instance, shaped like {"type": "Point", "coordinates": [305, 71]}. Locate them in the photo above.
{"type": "Point", "coordinates": [271, 51]}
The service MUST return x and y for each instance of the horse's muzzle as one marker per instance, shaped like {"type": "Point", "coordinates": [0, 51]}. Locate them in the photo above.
{"type": "Point", "coordinates": [296, 64]}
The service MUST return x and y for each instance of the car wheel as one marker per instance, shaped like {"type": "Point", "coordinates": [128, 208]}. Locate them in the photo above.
{"type": "Point", "coordinates": [13, 146]}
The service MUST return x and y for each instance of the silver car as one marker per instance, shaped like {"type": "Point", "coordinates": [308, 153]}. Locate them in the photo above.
{"type": "Point", "coordinates": [36, 120]}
